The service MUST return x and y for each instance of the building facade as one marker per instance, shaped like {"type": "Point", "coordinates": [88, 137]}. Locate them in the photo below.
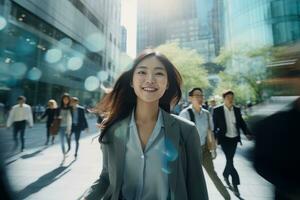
{"type": "Point", "coordinates": [51, 47]}
{"type": "Point", "coordinates": [268, 23]}
{"type": "Point", "coordinates": [192, 23]}
{"type": "Point", "coordinates": [123, 39]}
{"type": "Point", "coordinates": [262, 22]}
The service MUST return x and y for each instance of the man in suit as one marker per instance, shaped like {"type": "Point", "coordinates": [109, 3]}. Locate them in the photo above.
{"type": "Point", "coordinates": [202, 119]}
{"type": "Point", "coordinates": [79, 123]}
{"type": "Point", "coordinates": [18, 116]}
{"type": "Point", "coordinates": [228, 121]}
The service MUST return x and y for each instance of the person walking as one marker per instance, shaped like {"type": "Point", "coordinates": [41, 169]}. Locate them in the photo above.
{"type": "Point", "coordinates": [18, 116]}
{"type": "Point", "coordinates": [147, 152]}
{"type": "Point", "coordinates": [65, 114]}
{"type": "Point", "coordinates": [51, 112]}
{"type": "Point", "coordinates": [203, 121]}
{"type": "Point", "coordinates": [79, 123]}
{"type": "Point", "coordinates": [228, 121]}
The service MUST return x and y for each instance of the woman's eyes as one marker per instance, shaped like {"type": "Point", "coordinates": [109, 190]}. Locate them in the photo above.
{"type": "Point", "coordinates": [156, 73]}
{"type": "Point", "coordinates": [160, 73]}
{"type": "Point", "coordinates": [141, 72]}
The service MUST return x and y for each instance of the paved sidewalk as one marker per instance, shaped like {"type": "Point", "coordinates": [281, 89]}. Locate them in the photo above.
{"type": "Point", "coordinates": [38, 174]}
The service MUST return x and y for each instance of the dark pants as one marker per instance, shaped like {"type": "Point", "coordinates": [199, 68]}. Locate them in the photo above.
{"type": "Point", "coordinates": [19, 127]}
{"type": "Point", "coordinates": [77, 131]}
{"type": "Point", "coordinates": [229, 147]}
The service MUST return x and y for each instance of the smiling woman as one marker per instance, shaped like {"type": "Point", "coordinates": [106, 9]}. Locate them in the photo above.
{"type": "Point", "coordinates": [148, 153]}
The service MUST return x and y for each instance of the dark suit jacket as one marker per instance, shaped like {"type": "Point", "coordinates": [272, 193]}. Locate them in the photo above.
{"type": "Point", "coordinates": [82, 123]}
{"type": "Point", "coordinates": [220, 127]}
{"type": "Point", "coordinates": [276, 154]}
{"type": "Point", "coordinates": [186, 180]}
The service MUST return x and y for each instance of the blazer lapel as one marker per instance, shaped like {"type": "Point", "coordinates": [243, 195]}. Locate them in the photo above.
{"type": "Point", "coordinates": [119, 147]}
{"type": "Point", "coordinates": [172, 136]}
{"type": "Point", "coordinates": [223, 118]}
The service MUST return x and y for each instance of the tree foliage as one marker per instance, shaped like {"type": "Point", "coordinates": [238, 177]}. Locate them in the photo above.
{"type": "Point", "coordinates": [245, 71]}
{"type": "Point", "coordinates": [188, 62]}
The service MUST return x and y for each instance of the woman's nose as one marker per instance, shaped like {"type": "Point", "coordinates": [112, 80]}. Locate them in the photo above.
{"type": "Point", "coordinates": [150, 78]}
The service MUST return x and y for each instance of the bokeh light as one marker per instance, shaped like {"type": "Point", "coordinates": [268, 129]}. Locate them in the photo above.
{"type": "Point", "coordinates": [3, 23]}
{"type": "Point", "coordinates": [65, 43]}
{"type": "Point", "coordinates": [60, 67]}
{"type": "Point", "coordinates": [75, 63]}
{"type": "Point", "coordinates": [102, 75]}
{"type": "Point", "coordinates": [53, 55]}
{"type": "Point", "coordinates": [95, 42]}
{"type": "Point", "coordinates": [170, 152]}
{"type": "Point", "coordinates": [91, 83]}
{"type": "Point", "coordinates": [34, 74]}
{"type": "Point", "coordinates": [18, 69]}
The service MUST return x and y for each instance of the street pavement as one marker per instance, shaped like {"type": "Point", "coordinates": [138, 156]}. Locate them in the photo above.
{"type": "Point", "coordinates": [38, 173]}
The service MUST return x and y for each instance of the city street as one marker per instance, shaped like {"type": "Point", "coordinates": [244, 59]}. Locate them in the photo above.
{"type": "Point", "coordinates": [38, 172]}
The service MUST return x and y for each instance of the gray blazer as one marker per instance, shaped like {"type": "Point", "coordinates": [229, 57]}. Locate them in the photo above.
{"type": "Point", "coordinates": [186, 180]}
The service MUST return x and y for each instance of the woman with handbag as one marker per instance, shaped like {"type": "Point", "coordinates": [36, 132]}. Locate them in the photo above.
{"type": "Point", "coordinates": [65, 116]}
{"type": "Point", "coordinates": [147, 152]}
{"type": "Point", "coordinates": [202, 119]}
{"type": "Point", "coordinates": [51, 114]}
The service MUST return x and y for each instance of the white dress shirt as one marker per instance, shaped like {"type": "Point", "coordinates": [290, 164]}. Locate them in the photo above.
{"type": "Point", "coordinates": [230, 122]}
{"type": "Point", "coordinates": [18, 113]}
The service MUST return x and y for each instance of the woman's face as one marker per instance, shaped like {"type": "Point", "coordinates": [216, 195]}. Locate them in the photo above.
{"type": "Point", "coordinates": [150, 80]}
{"type": "Point", "coordinates": [66, 100]}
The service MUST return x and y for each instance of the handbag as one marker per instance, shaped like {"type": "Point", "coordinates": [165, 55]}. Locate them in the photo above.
{"type": "Point", "coordinates": [54, 128]}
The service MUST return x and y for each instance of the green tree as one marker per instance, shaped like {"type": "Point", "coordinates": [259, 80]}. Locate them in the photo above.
{"type": "Point", "coordinates": [245, 71]}
{"type": "Point", "coordinates": [188, 62]}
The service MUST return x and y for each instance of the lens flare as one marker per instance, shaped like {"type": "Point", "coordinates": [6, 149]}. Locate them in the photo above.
{"type": "Point", "coordinates": [95, 42]}
{"type": "Point", "coordinates": [3, 23]}
{"type": "Point", "coordinates": [75, 63]}
{"type": "Point", "coordinates": [91, 83]}
{"type": "Point", "coordinates": [53, 55]}
{"type": "Point", "coordinates": [103, 75]}
{"type": "Point", "coordinates": [34, 74]}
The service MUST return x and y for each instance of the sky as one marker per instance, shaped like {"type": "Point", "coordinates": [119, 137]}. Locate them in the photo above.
{"type": "Point", "coordinates": [128, 19]}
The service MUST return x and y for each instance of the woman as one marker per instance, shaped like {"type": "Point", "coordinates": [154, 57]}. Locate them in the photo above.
{"type": "Point", "coordinates": [148, 153]}
{"type": "Point", "coordinates": [50, 113]}
{"type": "Point", "coordinates": [65, 114]}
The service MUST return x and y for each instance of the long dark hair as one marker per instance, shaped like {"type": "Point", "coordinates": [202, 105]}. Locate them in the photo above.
{"type": "Point", "coordinates": [62, 105]}
{"type": "Point", "coordinates": [122, 99]}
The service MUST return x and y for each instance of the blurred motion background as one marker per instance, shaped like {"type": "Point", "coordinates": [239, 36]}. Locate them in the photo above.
{"type": "Point", "coordinates": [82, 46]}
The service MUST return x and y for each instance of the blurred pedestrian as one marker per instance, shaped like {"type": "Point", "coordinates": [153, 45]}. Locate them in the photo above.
{"type": "Point", "coordinates": [212, 105]}
{"type": "Point", "coordinates": [65, 114]}
{"type": "Point", "coordinates": [51, 112]}
{"type": "Point", "coordinates": [18, 116]}
{"type": "Point", "coordinates": [203, 121]}
{"type": "Point", "coordinates": [147, 152]}
{"type": "Point", "coordinates": [79, 123]}
{"type": "Point", "coordinates": [228, 121]}
{"type": "Point", "coordinates": [276, 154]}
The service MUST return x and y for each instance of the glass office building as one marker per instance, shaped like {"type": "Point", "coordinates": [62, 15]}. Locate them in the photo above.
{"type": "Point", "coordinates": [193, 24]}
{"type": "Point", "coordinates": [46, 51]}
{"type": "Point", "coordinates": [262, 22]}
{"type": "Point", "coordinates": [272, 23]}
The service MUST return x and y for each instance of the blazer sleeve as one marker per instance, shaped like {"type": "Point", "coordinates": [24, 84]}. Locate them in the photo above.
{"type": "Point", "coordinates": [100, 186]}
{"type": "Point", "coordinates": [215, 122]}
{"type": "Point", "coordinates": [46, 113]}
{"type": "Point", "coordinates": [196, 185]}
{"type": "Point", "coordinates": [85, 124]}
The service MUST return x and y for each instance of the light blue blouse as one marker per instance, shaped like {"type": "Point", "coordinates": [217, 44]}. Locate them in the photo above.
{"type": "Point", "coordinates": [145, 176]}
